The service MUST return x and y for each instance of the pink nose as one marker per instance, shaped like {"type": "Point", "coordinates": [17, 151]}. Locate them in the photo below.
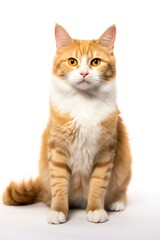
{"type": "Point", "coordinates": [84, 74]}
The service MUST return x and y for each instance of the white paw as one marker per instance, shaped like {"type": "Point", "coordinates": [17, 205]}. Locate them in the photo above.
{"type": "Point", "coordinates": [116, 206]}
{"type": "Point", "coordinates": [55, 217]}
{"type": "Point", "coordinates": [97, 216]}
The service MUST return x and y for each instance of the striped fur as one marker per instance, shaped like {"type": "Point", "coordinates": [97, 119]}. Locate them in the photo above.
{"type": "Point", "coordinates": [85, 159]}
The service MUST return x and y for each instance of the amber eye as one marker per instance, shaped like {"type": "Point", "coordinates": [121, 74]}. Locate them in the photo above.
{"type": "Point", "coordinates": [95, 62]}
{"type": "Point", "coordinates": [72, 62]}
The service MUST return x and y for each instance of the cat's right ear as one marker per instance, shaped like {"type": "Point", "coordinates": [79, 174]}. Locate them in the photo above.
{"type": "Point", "coordinates": [61, 36]}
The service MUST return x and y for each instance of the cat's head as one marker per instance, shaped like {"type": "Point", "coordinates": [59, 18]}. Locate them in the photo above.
{"type": "Point", "coordinates": [85, 65]}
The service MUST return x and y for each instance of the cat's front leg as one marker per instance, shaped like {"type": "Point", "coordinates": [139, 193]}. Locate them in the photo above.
{"type": "Point", "coordinates": [60, 177]}
{"type": "Point", "coordinates": [97, 190]}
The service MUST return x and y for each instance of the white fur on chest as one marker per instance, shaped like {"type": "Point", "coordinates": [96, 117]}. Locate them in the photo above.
{"type": "Point", "coordinates": [87, 112]}
{"type": "Point", "coordinates": [83, 151]}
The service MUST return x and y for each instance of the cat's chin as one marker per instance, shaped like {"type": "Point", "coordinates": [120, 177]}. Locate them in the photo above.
{"type": "Point", "coordinates": [84, 85]}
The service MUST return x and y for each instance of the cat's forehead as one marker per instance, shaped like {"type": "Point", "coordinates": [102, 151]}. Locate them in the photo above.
{"type": "Point", "coordinates": [84, 46]}
{"type": "Point", "coordinates": [88, 48]}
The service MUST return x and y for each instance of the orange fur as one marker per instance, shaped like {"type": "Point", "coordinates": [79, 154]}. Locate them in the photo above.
{"type": "Point", "coordinates": [23, 193]}
{"type": "Point", "coordinates": [82, 48]}
{"type": "Point", "coordinates": [62, 182]}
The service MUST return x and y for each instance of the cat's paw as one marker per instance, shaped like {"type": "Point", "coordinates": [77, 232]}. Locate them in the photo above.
{"type": "Point", "coordinates": [55, 217]}
{"type": "Point", "coordinates": [97, 216]}
{"type": "Point", "coordinates": [116, 206]}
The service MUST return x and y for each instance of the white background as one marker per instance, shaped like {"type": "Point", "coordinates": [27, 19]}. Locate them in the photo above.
{"type": "Point", "coordinates": [27, 47]}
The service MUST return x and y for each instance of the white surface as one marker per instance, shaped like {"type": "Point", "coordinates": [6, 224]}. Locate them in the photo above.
{"type": "Point", "coordinates": [26, 51]}
{"type": "Point", "coordinates": [139, 221]}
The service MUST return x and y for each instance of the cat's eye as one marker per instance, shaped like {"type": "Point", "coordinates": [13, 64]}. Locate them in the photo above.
{"type": "Point", "coordinates": [96, 62]}
{"type": "Point", "coordinates": [72, 62]}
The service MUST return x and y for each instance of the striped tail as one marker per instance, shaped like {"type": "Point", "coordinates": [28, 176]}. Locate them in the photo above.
{"type": "Point", "coordinates": [22, 193]}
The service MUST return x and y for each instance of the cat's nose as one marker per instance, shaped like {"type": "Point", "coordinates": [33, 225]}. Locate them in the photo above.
{"type": "Point", "coordinates": [84, 74]}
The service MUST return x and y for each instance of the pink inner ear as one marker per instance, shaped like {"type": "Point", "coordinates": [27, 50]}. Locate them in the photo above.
{"type": "Point", "coordinates": [61, 36]}
{"type": "Point", "coordinates": [107, 39]}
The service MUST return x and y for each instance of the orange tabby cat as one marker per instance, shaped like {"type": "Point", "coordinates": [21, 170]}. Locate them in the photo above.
{"type": "Point", "coordinates": [85, 159]}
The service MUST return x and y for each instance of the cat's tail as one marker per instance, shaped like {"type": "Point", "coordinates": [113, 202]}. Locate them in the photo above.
{"type": "Point", "coordinates": [26, 192]}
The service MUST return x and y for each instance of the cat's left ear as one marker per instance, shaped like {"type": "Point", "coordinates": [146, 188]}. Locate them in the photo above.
{"type": "Point", "coordinates": [61, 36]}
{"type": "Point", "coordinates": [107, 39]}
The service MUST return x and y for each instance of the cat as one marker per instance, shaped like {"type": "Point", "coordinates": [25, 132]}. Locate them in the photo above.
{"type": "Point", "coordinates": [85, 158]}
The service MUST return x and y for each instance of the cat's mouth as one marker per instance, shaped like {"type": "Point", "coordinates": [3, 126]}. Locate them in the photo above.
{"type": "Point", "coordinates": [83, 82]}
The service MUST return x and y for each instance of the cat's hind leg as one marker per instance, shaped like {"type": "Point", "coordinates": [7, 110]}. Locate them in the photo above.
{"type": "Point", "coordinates": [116, 197]}
{"type": "Point", "coordinates": [116, 206]}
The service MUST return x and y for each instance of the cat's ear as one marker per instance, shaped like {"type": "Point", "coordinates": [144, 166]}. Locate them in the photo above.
{"type": "Point", "coordinates": [107, 39]}
{"type": "Point", "coordinates": [61, 36]}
